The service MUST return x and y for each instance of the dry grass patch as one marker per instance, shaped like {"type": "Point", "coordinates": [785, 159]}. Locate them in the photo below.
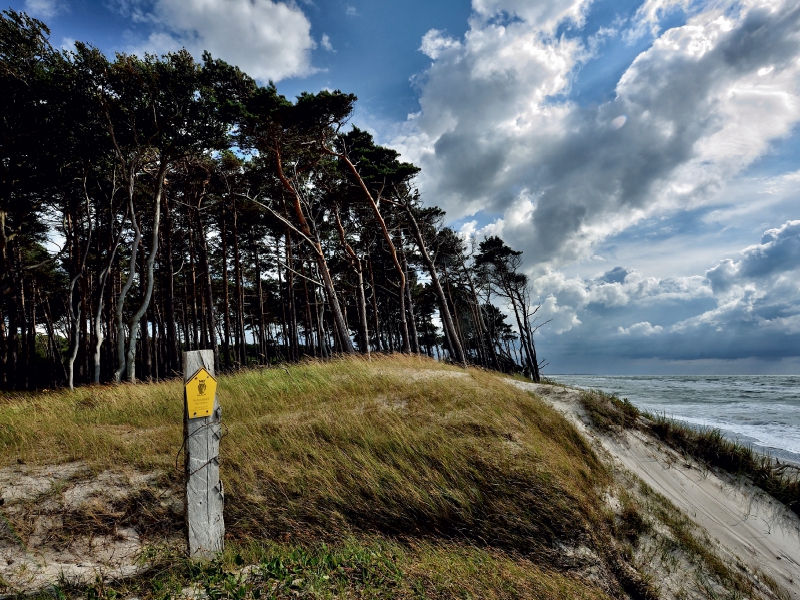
{"type": "Point", "coordinates": [463, 474]}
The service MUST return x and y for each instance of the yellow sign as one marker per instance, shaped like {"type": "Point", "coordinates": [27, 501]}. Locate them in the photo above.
{"type": "Point", "coordinates": [200, 391]}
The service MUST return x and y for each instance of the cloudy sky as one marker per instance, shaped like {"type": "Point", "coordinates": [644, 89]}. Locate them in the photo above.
{"type": "Point", "coordinates": [645, 155]}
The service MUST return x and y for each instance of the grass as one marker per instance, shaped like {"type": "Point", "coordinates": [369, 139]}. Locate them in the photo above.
{"type": "Point", "coordinates": [608, 413]}
{"type": "Point", "coordinates": [707, 445]}
{"type": "Point", "coordinates": [418, 479]}
{"type": "Point", "coordinates": [378, 568]}
{"type": "Point", "coordinates": [710, 446]}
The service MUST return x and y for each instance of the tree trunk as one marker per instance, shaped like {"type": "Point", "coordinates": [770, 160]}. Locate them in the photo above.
{"type": "Point", "coordinates": [292, 325]}
{"type": "Point", "coordinates": [444, 311]}
{"type": "Point", "coordinates": [378, 346]}
{"type": "Point", "coordinates": [121, 360]}
{"type": "Point", "coordinates": [322, 264]}
{"type": "Point", "coordinates": [241, 349]}
{"type": "Point", "coordinates": [98, 313]}
{"type": "Point", "coordinates": [204, 265]}
{"type": "Point", "coordinates": [173, 352]}
{"type": "Point", "coordinates": [151, 258]}
{"type": "Point", "coordinates": [414, 336]}
{"type": "Point", "coordinates": [532, 369]}
{"type": "Point", "coordinates": [145, 334]}
{"type": "Point", "coordinates": [307, 312]}
{"type": "Point", "coordinates": [226, 344]}
{"type": "Point", "coordinates": [260, 291]}
{"type": "Point", "coordinates": [355, 263]}
{"type": "Point", "coordinates": [481, 324]}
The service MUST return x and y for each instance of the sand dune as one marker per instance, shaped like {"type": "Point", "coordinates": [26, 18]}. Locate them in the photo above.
{"type": "Point", "coordinates": [749, 525]}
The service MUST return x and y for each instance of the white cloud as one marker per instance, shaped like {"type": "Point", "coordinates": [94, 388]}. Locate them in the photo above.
{"type": "Point", "coordinates": [546, 14]}
{"type": "Point", "coordinates": [559, 318]}
{"type": "Point", "coordinates": [644, 329]}
{"type": "Point", "coordinates": [351, 11]}
{"type": "Point", "coordinates": [325, 42]}
{"type": "Point", "coordinates": [481, 97]}
{"type": "Point", "coordinates": [268, 40]}
{"type": "Point", "coordinates": [648, 16]}
{"type": "Point", "coordinates": [45, 9]}
{"type": "Point", "coordinates": [435, 42]}
{"type": "Point", "coordinates": [496, 130]}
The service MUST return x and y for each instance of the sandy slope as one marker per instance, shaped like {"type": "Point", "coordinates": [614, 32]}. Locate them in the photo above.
{"type": "Point", "coordinates": [43, 497]}
{"type": "Point", "coordinates": [754, 528]}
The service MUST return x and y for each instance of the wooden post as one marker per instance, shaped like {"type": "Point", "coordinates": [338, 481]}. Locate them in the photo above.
{"type": "Point", "coordinates": [202, 429]}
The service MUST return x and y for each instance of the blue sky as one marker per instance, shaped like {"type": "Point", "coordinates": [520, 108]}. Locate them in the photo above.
{"type": "Point", "coordinates": [644, 154]}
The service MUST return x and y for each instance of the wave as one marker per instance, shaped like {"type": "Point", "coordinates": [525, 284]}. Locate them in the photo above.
{"type": "Point", "coordinates": [763, 410]}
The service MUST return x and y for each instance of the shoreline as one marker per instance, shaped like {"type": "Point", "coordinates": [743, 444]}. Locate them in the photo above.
{"type": "Point", "coordinates": [748, 526]}
{"type": "Point", "coordinates": [647, 399]}
{"type": "Point", "coordinates": [784, 456]}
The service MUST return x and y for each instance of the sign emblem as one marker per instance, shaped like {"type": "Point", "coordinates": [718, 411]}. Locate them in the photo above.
{"type": "Point", "coordinates": [200, 392]}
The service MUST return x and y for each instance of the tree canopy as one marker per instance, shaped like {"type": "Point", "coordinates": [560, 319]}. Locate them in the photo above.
{"type": "Point", "coordinates": [152, 205]}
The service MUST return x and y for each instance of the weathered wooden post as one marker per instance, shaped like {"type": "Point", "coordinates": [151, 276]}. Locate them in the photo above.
{"type": "Point", "coordinates": [202, 430]}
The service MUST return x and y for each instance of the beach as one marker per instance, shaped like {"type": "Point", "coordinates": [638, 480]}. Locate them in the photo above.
{"type": "Point", "coordinates": [762, 411]}
{"type": "Point", "coordinates": [750, 527]}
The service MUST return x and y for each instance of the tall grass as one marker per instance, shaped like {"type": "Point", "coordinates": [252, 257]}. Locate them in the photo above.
{"type": "Point", "coordinates": [400, 449]}
{"type": "Point", "coordinates": [779, 480]}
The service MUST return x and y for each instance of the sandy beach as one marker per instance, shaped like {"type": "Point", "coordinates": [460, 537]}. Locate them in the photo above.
{"type": "Point", "coordinates": [749, 526]}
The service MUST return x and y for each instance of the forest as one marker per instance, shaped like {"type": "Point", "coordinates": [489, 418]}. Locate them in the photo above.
{"type": "Point", "coordinates": [154, 205]}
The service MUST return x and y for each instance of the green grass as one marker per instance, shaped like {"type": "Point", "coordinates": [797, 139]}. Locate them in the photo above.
{"type": "Point", "coordinates": [378, 568]}
{"type": "Point", "coordinates": [418, 479]}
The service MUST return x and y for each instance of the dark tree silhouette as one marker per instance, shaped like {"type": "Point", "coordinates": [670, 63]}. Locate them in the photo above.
{"type": "Point", "coordinates": [153, 205]}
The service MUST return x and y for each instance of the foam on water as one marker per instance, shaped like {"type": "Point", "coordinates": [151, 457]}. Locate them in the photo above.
{"type": "Point", "coordinates": [762, 410]}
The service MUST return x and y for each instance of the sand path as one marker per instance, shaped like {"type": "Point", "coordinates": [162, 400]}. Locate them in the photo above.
{"type": "Point", "coordinates": [761, 532]}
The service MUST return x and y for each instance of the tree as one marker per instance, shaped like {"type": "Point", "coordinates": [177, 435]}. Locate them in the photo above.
{"type": "Point", "coordinates": [288, 132]}
{"type": "Point", "coordinates": [502, 265]}
{"type": "Point", "coordinates": [150, 205]}
{"type": "Point", "coordinates": [430, 219]}
{"type": "Point", "coordinates": [378, 171]}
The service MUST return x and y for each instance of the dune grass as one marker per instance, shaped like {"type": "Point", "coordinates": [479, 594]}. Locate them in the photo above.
{"type": "Point", "coordinates": [474, 488]}
{"type": "Point", "coordinates": [705, 444]}
{"type": "Point", "coordinates": [710, 446]}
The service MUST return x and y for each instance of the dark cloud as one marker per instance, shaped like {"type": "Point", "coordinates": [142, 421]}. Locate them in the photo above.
{"type": "Point", "coordinates": [615, 275]}
{"type": "Point", "coordinates": [497, 133]}
{"type": "Point", "coordinates": [778, 252]}
{"type": "Point", "coordinates": [723, 276]}
{"type": "Point", "coordinates": [746, 309]}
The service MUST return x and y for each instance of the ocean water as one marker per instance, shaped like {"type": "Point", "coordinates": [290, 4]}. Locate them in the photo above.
{"type": "Point", "coordinates": [761, 410]}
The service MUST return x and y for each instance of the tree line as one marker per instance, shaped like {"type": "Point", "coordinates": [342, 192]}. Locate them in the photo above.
{"type": "Point", "coordinates": [154, 205]}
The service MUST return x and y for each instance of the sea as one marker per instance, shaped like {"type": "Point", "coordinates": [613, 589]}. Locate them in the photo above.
{"type": "Point", "coordinates": [760, 410]}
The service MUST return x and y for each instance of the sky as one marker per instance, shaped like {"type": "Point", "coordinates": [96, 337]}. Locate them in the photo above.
{"type": "Point", "coordinates": [644, 155]}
